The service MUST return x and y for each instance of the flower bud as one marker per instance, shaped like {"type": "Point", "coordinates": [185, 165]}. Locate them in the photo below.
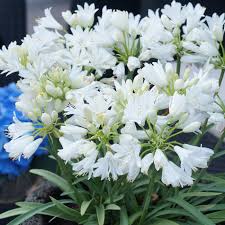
{"type": "Point", "coordinates": [119, 70]}
{"type": "Point", "coordinates": [187, 72]}
{"type": "Point", "coordinates": [46, 118]}
{"type": "Point", "coordinates": [192, 127]}
{"type": "Point", "coordinates": [178, 84]}
{"type": "Point", "coordinates": [133, 63]}
{"type": "Point", "coordinates": [51, 90]}
{"type": "Point", "coordinates": [145, 56]}
{"type": "Point", "coordinates": [58, 105]}
{"type": "Point", "coordinates": [54, 115]}
{"type": "Point", "coordinates": [59, 91]}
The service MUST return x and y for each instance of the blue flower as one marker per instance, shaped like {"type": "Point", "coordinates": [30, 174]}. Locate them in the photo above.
{"type": "Point", "coordinates": [8, 96]}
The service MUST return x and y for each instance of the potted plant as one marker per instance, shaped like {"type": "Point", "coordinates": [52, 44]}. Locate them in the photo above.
{"type": "Point", "coordinates": [124, 103]}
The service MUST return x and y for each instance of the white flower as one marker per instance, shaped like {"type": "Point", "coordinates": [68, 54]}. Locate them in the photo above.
{"type": "Point", "coordinates": [216, 118]}
{"type": "Point", "coordinates": [24, 145]}
{"type": "Point", "coordinates": [192, 127]}
{"type": "Point", "coordinates": [18, 128]}
{"type": "Point", "coordinates": [160, 160]}
{"type": "Point", "coordinates": [69, 18]}
{"type": "Point", "coordinates": [175, 12]}
{"type": "Point", "coordinates": [216, 26]}
{"type": "Point", "coordinates": [146, 162]}
{"type": "Point", "coordinates": [145, 55]}
{"type": "Point", "coordinates": [74, 149]}
{"type": "Point", "coordinates": [120, 20]}
{"type": "Point", "coordinates": [127, 151]}
{"type": "Point", "coordinates": [75, 131]}
{"type": "Point", "coordinates": [31, 148]}
{"type": "Point", "coordinates": [46, 118]}
{"type": "Point", "coordinates": [86, 165]}
{"type": "Point", "coordinates": [49, 21]}
{"type": "Point", "coordinates": [193, 157]}
{"type": "Point", "coordinates": [177, 105]}
{"type": "Point", "coordinates": [107, 167]}
{"type": "Point", "coordinates": [178, 84]}
{"type": "Point", "coordinates": [133, 63]}
{"type": "Point", "coordinates": [155, 74]}
{"type": "Point", "coordinates": [119, 71]}
{"type": "Point", "coordinates": [130, 128]}
{"type": "Point", "coordinates": [193, 15]}
{"type": "Point", "coordinates": [83, 17]}
{"type": "Point", "coordinates": [101, 59]}
{"type": "Point", "coordinates": [139, 108]}
{"type": "Point", "coordinates": [175, 176]}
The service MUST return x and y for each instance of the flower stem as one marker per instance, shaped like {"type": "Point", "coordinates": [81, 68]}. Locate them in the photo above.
{"type": "Point", "coordinates": [178, 65]}
{"type": "Point", "coordinates": [221, 77]}
{"type": "Point", "coordinates": [147, 198]}
{"type": "Point", "coordinates": [65, 170]}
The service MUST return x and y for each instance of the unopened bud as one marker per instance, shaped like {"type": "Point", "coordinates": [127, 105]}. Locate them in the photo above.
{"type": "Point", "coordinates": [178, 84]}
{"type": "Point", "coordinates": [46, 118]}
{"type": "Point", "coordinates": [192, 127]}
{"type": "Point", "coordinates": [51, 90]}
{"type": "Point", "coordinates": [187, 73]}
{"type": "Point", "coordinates": [54, 115]}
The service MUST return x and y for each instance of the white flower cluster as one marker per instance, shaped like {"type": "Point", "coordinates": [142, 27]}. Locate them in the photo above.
{"type": "Point", "coordinates": [110, 91]}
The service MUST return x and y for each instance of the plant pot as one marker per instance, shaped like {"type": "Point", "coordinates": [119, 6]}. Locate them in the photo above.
{"type": "Point", "coordinates": [40, 192]}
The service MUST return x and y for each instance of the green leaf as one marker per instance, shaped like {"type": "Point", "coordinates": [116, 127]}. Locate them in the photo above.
{"type": "Point", "coordinates": [57, 180]}
{"type": "Point", "coordinates": [28, 205]}
{"type": "Point", "coordinates": [175, 211]}
{"type": "Point", "coordinates": [165, 222]}
{"type": "Point", "coordinates": [13, 212]}
{"type": "Point", "coordinates": [217, 217]}
{"type": "Point", "coordinates": [100, 211]}
{"type": "Point", "coordinates": [195, 212]}
{"type": "Point", "coordinates": [52, 211]}
{"type": "Point", "coordinates": [20, 219]}
{"type": "Point", "coordinates": [211, 207]}
{"type": "Point", "coordinates": [218, 154]}
{"type": "Point", "coordinates": [134, 217]}
{"type": "Point", "coordinates": [200, 194]}
{"type": "Point", "coordinates": [74, 214]}
{"type": "Point", "coordinates": [124, 217]}
{"type": "Point", "coordinates": [84, 207]}
{"type": "Point", "coordinates": [112, 207]}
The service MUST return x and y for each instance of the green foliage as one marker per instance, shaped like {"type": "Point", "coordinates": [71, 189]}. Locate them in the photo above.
{"type": "Point", "coordinates": [146, 201]}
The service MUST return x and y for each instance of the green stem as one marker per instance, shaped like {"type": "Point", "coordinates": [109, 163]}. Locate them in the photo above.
{"type": "Point", "coordinates": [147, 200]}
{"type": "Point", "coordinates": [178, 65]}
{"type": "Point", "coordinates": [221, 77]}
{"type": "Point", "coordinates": [65, 169]}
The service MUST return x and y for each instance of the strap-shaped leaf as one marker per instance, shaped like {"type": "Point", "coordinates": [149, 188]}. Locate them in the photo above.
{"type": "Point", "coordinates": [195, 212]}
{"type": "Point", "coordinates": [165, 222]}
{"type": "Point", "coordinates": [57, 180]}
{"type": "Point", "coordinates": [84, 207]}
{"type": "Point", "coordinates": [112, 207]}
{"type": "Point", "coordinates": [20, 219]}
{"type": "Point", "coordinates": [124, 217]}
{"type": "Point", "coordinates": [217, 217]}
{"type": "Point", "coordinates": [100, 211]}
{"type": "Point", "coordinates": [13, 212]}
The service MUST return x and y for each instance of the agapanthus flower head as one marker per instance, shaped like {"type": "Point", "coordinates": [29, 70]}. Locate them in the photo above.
{"type": "Point", "coordinates": [117, 93]}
